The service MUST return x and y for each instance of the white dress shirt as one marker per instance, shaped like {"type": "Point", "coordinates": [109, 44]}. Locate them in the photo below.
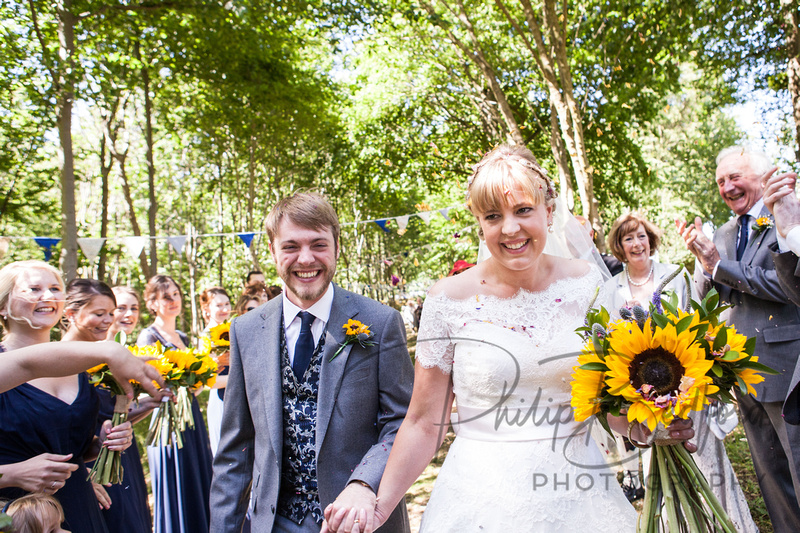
{"type": "Point", "coordinates": [292, 323]}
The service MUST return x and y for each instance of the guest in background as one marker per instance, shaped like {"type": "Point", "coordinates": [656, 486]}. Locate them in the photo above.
{"type": "Point", "coordinates": [48, 424]}
{"type": "Point", "coordinates": [181, 477]}
{"type": "Point", "coordinates": [215, 305]}
{"type": "Point", "coordinates": [254, 276]}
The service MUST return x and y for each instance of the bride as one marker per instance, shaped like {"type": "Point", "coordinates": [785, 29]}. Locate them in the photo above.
{"type": "Point", "coordinates": [499, 340]}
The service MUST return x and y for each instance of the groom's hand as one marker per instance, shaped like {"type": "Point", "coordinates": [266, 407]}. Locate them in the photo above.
{"type": "Point", "coordinates": [352, 512]}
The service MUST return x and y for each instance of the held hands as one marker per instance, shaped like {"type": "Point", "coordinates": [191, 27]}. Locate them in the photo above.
{"type": "Point", "coordinates": [118, 438]}
{"type": "Point", "coordinates": [679, 429]}
{"type": "Point", "coordinates": [352, 512]}
{"type": "Point", "coordinates": [701, 246]}
{"type": "Point", "coordinates": [781, 199]}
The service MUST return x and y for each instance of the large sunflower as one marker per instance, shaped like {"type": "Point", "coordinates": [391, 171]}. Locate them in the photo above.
{"type": "Point", "coordinates": [221, 334]}
{"type": "Point", "coordinates": [587, 386]}
{"type": "Point", "coordinates": [661, 372]}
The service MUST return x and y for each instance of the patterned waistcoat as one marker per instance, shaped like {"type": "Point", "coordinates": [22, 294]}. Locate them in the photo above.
{"type": "Point", "coordinates": [298, 494]}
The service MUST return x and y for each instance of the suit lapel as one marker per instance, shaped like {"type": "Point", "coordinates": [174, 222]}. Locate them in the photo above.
{"type": "Point", "coordinates": [755, 243]}
{"type": "Point", "coordinates": [273, 386]}
{"type": "Point", "coordinates": [332, 369]}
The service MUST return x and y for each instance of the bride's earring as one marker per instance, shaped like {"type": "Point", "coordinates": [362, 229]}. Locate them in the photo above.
{"type": "Point", "coordinates": [550, 227]}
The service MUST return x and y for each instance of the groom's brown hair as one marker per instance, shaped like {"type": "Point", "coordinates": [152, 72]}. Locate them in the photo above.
{"type": "Point", "coordinates": [307, 209]}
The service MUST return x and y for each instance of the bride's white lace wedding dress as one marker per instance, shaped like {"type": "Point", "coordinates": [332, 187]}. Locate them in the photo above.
{"type": "Point", "coordinates": [519, 462]}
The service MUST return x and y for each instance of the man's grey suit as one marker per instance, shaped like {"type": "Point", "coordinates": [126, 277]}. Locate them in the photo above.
{"type": "Point", "coordinates": [763, 310]}
{"type": "Point", "coordinates": [362, 399]}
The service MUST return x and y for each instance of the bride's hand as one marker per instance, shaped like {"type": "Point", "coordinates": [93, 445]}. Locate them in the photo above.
{"type": "Point", "coordinates": [679, 429]}
{"type": "Point", "coordinates": [352, 512]}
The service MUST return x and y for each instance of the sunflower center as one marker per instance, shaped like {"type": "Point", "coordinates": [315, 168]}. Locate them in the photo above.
{"type": "Point", "coordinates": [225, 336]}
{"type": "Point", "coordinates": [657, 368]}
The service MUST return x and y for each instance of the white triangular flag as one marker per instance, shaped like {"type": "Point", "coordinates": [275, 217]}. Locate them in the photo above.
{"type": "Point", "coordinates": [425, 216]}
{"type": "Point", "coordinates": [135, 245]}
{"type": "Point", "coordinates": [177, 242]}
{"type": "Point", "coordinates": [444, 212]}
{"type": "Point", "coordinates": [91, 247]}
{"type": "Point", "coordinates": [402, 222]}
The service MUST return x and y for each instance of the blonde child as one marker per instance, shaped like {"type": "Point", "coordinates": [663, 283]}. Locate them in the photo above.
{"type": "Point", "coordinates": [36, 513]}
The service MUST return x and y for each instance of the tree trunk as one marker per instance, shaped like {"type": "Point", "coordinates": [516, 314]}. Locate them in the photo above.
{"type": "Point", "coordinates": [793, 68]}
{"type": "Point", "coordinates": [64, 83]}
{"type": "Point", "coordinates": [126, 191]}
{"type": "Point", "coordinates": [151, 167]}
{"type": "Point", "coordinates": [105, 170]}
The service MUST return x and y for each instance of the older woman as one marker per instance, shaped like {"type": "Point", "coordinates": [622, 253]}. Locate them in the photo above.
{"type": "Point", "coordinates": [633, 240]}
{"type": "Point", "coordinates": [181, 477]}
{"type": "Point", "coordinates": [48, 424]}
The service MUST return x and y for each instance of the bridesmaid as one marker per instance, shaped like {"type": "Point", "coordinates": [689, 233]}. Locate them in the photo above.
{"type": "Point", "coordinates": [181, 478]}
{"type": "Point", "coordinates": [124, 504]}
{"type": "Point", "coordinates": [216, 307]}
{"type": "Point", "coordinates": [49, 423]}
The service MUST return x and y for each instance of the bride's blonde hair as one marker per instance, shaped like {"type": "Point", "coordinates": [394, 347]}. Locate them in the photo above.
{"type": "Point", "coordinates": [503, 170]}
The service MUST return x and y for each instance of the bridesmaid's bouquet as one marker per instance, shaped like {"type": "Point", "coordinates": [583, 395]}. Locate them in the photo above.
{"type": "Point", "coordinates": [218, 344]}
{"type": "Point", "coordinates": [656, 365]}
{"type": "Point", "coordinates": [183, 371]}
{"type": "Point", "coordinates": [108, 465]}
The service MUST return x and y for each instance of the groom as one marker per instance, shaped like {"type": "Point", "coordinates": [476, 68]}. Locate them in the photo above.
{"type": "Point", "coordinates": [310, 415]}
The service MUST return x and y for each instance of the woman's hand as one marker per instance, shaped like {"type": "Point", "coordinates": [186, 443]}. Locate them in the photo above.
{"type": "Point", "coordinates": [45, 473]}
{"type": "Point", "coordinates": [125, 366]}
{"type": "Point", "coordinates": [679, 430]}
{"type": "Point", "coordinates": [118, 438]}
{"type": "Point", "coordinates": [103, 499]}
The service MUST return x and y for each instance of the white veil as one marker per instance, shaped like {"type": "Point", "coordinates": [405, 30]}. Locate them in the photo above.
{"type": "Point", "coordinates": [569, 239]}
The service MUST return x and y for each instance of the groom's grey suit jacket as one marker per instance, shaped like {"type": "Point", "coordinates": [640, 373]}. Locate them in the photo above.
{"type": "Point", "coordinates": [788, 268]}
{"type": "Point", "coordinates": [761, 308]}
{"type": "Point", "coordinates": [362, 399]}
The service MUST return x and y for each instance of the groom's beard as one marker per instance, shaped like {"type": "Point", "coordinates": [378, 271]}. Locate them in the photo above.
{"type": "Point", "coordinates": [309, 292]}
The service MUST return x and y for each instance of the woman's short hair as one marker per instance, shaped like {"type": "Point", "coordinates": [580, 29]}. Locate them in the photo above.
{"type": "Point", "coordinates": [627, 223]}
{"type": "Point", "coordinates": [308, 210]}
{"type": "Point", "coordinates": [156, 286]}
{"type": "Point", "coordinates": [81, 291]}
{"type": "Point", "coordinates": [9, 275]}
{"type": "Point", "coordinates": [31, 512]}
{"type": "Point", "coordinates": [502, 170]}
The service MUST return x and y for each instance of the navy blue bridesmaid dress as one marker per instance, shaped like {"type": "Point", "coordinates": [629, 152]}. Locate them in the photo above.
{"type": "Point", "coordinates": [181, 478]}
{"type": "Point", "coordinates": [129, 511]}
{"type": "Point", "coordinates": [33, 422]}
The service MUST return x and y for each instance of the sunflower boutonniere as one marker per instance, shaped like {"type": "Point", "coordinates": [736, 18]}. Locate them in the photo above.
{"type": "Point", "coordinates": [355, 331]}
{"type": "Point", "coordinates": [762, 224]}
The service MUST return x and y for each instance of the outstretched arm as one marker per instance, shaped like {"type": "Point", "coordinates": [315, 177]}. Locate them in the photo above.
{"type": "Point", "coordinates": [67, 358]}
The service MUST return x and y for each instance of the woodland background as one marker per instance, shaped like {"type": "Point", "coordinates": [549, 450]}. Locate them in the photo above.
{"type": "Point", "coordinates": [192, 117]}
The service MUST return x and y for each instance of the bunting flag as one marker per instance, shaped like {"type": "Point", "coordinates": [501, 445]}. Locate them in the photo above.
{"type": "Point", "coordinates": [425, 216]}
{"type": "Point", "coordinates": [402, 222]}
{"type": "Point", "coordinates": [177, 242]}
{"type": "Point", "coordinates": [445, 213]}
{"type": "Point", "coordinates": [91, 247]}
{"type": "Point", "coordinates": [47, 243]}
{"type": "Point", "coordinates": [135, 245]}
{"type": "Point", "coordinates": [382, 224]}
{"type": "Point", "coordinates": [247, 238]}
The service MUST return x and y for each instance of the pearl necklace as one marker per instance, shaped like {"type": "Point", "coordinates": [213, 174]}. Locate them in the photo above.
{"type": "Point", "coordinates": [649, 275]}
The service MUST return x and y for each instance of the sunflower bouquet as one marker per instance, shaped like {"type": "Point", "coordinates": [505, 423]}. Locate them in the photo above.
{"type": "Point", "coordinates": [656, 365]}
{"type": "Point", "coordinates": [183, 372]}
{"type": "Point", "coordinates": [107, 467]}
{"type": "Point", "coordinates": [218, 343]}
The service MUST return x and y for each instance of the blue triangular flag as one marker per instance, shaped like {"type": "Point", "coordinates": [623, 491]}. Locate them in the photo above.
{"type": "Point", "coordinates": [382, 223]}
{"type": "Point", "coordinates": [47, 243]}
{"type": "Point", "coordinates": [247, 238]}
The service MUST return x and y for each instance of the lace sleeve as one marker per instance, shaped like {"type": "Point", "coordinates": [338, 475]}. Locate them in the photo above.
{"type": "Point", "coordinates": [434, 347]}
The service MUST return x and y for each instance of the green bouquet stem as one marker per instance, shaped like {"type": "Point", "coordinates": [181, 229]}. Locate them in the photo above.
{"type": "Point", "coordinates": [183, 407]}
{"type": "Point", "coordinates": [164, 430]}
{"type": "Point", "coordinates": [108, 465]}
{"type": "Point", "coordinates": [678, 490]}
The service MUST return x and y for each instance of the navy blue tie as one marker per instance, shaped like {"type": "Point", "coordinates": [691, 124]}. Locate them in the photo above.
{"type": "Point", "coordinates": [744, 232]}
{"type": "Point", "coordinates": [304, 347]}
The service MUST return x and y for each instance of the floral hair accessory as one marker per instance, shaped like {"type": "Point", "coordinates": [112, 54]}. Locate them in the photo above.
{"type": "Point", "coordinates": [762, 224]}
{"type": "Point", "coordinates": [355, 331]}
